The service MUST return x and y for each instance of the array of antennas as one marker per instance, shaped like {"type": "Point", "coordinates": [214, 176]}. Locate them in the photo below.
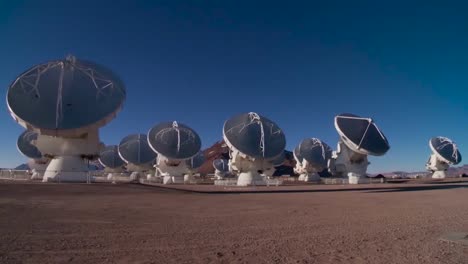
{"type": "Point", "coordinates": [171, 148]}
{"type": "Point", "coordinates": [63, 104]}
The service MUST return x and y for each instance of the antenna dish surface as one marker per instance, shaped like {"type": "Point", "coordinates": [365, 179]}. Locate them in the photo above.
{"type": "Point", "coordinates": [110, 158]}
{"type": "Point", "coordinates": [361, 134]}
{"type": "Point", "coordinates": [254, 135]}
{"type": "Point", "coordinates": [279, 160]}
{"type": "Point", "coordinates": [65, 95]}
{"type": "Point", "coordinates": [221, 165]}
{"type": "Point", "coordinates": [196, 161]}
{"type": "Point", "coordinates": [26, 147]}
{"type": "Point", "coordinates": [135, 149]}
{"type": "Point", "coordinates": [446, 150]}
{"type": "Point", "coordinates": [314, 151]}
{"type": "Point", "coordinates": [174, 140]}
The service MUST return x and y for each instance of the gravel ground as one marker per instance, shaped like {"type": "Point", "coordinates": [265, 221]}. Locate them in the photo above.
{"type": "Point", "coordinates": [104, 223]}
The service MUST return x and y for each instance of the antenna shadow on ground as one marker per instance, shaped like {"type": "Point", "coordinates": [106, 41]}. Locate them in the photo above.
{"type": "Point", "coordinates": [371, 190]}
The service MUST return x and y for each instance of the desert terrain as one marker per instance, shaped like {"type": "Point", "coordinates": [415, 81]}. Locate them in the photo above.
{"type": "Point", "coordinates": [130, 223]}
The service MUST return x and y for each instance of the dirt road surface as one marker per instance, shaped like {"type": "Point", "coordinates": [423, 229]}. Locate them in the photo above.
{"type": "Point", "coordinates": [105, 223]}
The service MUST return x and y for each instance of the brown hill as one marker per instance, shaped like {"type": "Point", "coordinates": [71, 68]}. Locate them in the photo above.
{"type": "Point", "coordinates": [217, 151]}
{"type": "Point", "coordinates": [220, 150]}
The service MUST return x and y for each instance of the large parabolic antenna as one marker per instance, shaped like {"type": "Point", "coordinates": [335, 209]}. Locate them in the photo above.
{"type": "Point", "coordinates": [311, 157]}
{"type": "Point", "coordinates": [221, 167]}
{"type": "Point", "coordinates": [254, 142]}
{"type": "Point", "coordinates": [136, 152]}
{"type": "Point", "coordinates": [359, 137]}
{"type": "Point", "coordinates": [175, 143]}
{"type": "Point", "coordinates": [111, 160]}
{"type": "Point", "coordinates": [279, 160]}
{"type": "Point", "coordinates": [26, 146]}
{"type": "Point", "coordinates": [444, 154]}
{"type": "Point", "coordinates": [65, 102]}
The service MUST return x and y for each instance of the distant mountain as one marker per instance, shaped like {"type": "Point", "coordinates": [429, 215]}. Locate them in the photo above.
{"type": "Point", "coordinates": [23, 166]}
{"type": "Point", "coordinates": [456, 171]}
{"type": "Point", "coordinates": [451, 172]}
{"type": "Point", "coordinates": [219, 150]}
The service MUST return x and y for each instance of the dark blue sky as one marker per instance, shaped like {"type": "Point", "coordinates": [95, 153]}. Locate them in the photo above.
{"type": "Point", "coordinates": [298, 63]}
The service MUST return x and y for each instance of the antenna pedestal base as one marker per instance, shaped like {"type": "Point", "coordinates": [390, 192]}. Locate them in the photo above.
{"type": "Point", "coordinates": [171, 172]}
{"type": "Point", "coordinates": [438, 175]}
{"type": "Point", "coordinates": [310, 177]}
{"type": "Point", "coordinates": [134, 176]}
{"type": "Point", "coordinates": [250, 178]}
{"type": "Point", "coordinates": [66, 169]}
{"type": "Point", "coordinates": [219, 175]}
{"type": "Point", "coordinates": [168, 179]}
{"type": "Point", "coordinates": [36, 175]}
{"type": "Point", "coordinates": [354, 178]}
{"type": "Point", "coordinates": [188, 178]}
{"type": "Point", "coordinates": [113, 173]}
{"type": "Point", "coordinates": [248, 170]}
{"type": "Point", "coordinates": [350, 163]}
{"type": "Point", "coordinates": [437, 166]}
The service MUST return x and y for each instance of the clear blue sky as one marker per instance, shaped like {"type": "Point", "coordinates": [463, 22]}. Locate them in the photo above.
{"type": "Point", "coordinates": [298, 63]}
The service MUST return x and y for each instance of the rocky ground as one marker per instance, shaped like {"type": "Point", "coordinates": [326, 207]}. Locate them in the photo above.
{"type": "Point", "coordinates": [104, 223]}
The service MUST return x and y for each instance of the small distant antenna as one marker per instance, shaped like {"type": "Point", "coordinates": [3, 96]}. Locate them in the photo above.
{"type": "Point", "coordinates": [359, 137]}
{"type": "Point", "coordinates": [178, 147]}
{"type": "Point", "coordinates": [444, 153]}
{"type": "Point", "coordinates": [311, 157]}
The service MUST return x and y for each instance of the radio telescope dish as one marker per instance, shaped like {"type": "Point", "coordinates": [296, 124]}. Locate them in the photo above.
{"type": "Point", "coordinates": [254, 135]}
{"type": "Point", "coordinates": [279, 160]}
{"type": "Point", "coordinates": [254, 141]}
{"type": "Point", "coordinates": [37, 163]}
{"type": "Point", "coordinates": [134, 149]}
{"type": "Point", "coordinates": [174, 140]}
{"type": "Point", "coordinates": [221, 167]}
{"type": "Point", "coordinates": [138, 155]}
{"type": "Point", "coordinates": [177, 146]}
{"type": "Point", "coordinates": [444, 153]}
{"type": "Point", "coordinates": [110, 158]}
{"type": "Point", "coordinates": [359, 137]}
{"type": "Point", "coordinates": [65, 97]}
{"type": "Point", "coordinates": [26, 146]}
{"type": "Point", "coordinates": [311, 157]}
{"type": "Point", "coordinates": [65, 102]}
